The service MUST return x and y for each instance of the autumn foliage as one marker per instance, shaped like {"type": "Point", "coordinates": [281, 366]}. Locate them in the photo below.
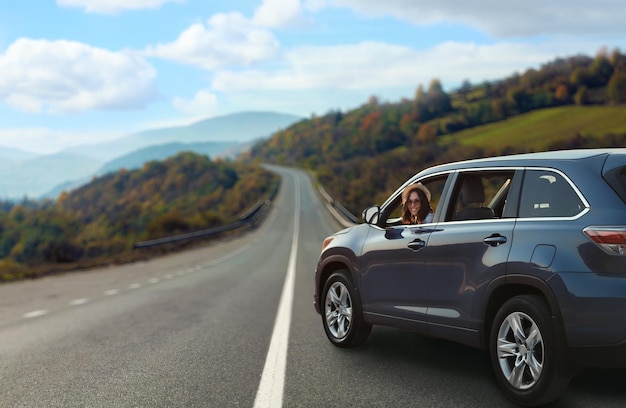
{"type": "Point", "coordinates": [101, 221]}
{"type": "Point", "coordinates": [360, 156]}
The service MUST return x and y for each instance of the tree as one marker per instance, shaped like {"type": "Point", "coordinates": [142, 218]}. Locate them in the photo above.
{"type": "Point", "coordinates": [561, 94]}
{"type": "Point", "coordinates": [616, 88]}
{"type": "Point", "coordinates": [581, 77]}
{"type": "Point", "coordinates": [618, 60]}
{"type": "Point", "coordinates": [372, 101]}
{"type": "Point", "coordinates": [438, 100]}
{"type": "Point", "coordinates": [582, 96]}
{"type": "Point", "coordinates": [518, 98]}
{"type": "Point", "coordinates": [426, 134]}
{"type": "Point", "coordinates": [465, 88]}
{"type": "Point", "coordinates": [601, 71]}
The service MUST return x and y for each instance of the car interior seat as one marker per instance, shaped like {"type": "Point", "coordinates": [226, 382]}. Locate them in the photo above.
{"type": "Point", "coordinates": [472, 198]}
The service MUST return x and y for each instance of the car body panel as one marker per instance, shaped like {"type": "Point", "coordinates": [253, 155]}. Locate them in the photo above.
{"type": "Point", "coordinates": [460, 265]}
{"type": "Point", "coordinates": [393, 275]}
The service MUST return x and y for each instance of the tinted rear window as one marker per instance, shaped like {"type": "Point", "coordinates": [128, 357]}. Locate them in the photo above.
{"type": "Point", "coordinates": [614, 173]}
{"type": "Point", "coordinates": [548, 194]}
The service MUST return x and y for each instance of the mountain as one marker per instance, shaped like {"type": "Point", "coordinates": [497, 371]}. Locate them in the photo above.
{"type": "Point", "coordinates": [34, 177]}
{"type": "Point", "coordinates": [24, 174]}
{"type": "Point", "coordinates": [136, 159]}
{"type": "Point", "coordinates": [10, 153]}
{"type": "Point", "coordinates": [235, 128]}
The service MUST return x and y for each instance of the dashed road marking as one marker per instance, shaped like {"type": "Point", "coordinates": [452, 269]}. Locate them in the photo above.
{"type": "Point", "coordinates": [77, 302]}
{"type": "Point", "coordinates": [112, 292]}
{"type": "Point", "coordinates": [35, 313]}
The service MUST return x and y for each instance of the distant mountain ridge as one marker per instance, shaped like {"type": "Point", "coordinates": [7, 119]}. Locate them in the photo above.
{"type": "Point", "coordinates": [23, 174]}
{"type": "Point", "coordinates": [35, 176]}
{"type": "Point", "coordinates": [10, 153]}
{"type": "Point", "coordinates": [236, 128]}
{"type": "Point", "coordinates": [137, 158]}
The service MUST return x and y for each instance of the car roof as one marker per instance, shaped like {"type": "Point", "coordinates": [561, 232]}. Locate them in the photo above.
{"type": "Point", "coordinates": [525, 158]}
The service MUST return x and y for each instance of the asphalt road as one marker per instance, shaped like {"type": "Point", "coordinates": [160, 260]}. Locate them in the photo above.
{"type": "Point", "coordinates": [208, 328]}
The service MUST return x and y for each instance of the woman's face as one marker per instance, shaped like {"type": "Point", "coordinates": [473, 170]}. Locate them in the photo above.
{"type": "Point", "coordinates": [413, 203]}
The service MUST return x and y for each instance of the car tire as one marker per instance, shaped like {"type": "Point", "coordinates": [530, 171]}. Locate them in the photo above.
{"type": "Point", "coordinates": [524, 349]}
{"type": "Point", "coordinates": [342, 315]}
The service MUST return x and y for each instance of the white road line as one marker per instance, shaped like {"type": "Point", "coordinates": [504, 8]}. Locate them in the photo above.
{"type": "Point", "coordinates": [153, 280]}
{"type": "Point", "coordinates": [111, 292]}
{"type": "Point", "coordinates": [35, 313]}
{"type": "Point", "coordinates": [270, 392]}
{"type": "Point", "coordinates": [77, 302]}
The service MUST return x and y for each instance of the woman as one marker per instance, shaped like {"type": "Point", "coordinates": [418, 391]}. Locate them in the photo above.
{"type": "Point", "coordinates": [416, 205]}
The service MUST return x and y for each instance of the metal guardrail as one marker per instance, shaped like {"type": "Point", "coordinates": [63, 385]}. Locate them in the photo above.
{"type": "Point", "coordinates": [250, 216]}
{"type": "Point", "coordinates": [341, 214]}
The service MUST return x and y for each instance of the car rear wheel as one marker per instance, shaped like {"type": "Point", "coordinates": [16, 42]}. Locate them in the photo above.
{"type": "Point", "coordinates": [342, 315]}
{"type": "Point", "coordinates": [523, 349]}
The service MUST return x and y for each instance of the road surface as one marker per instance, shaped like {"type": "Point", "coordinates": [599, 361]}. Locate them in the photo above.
{"type": "Point", "coordinates": [231, 325]}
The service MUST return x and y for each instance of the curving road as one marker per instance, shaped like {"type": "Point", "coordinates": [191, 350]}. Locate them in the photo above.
{"type": "Point", "coordinates": [231, 325]}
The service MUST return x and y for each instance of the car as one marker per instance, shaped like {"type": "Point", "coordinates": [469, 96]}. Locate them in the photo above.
{"type": "Point", "coordinates": [534, 272]}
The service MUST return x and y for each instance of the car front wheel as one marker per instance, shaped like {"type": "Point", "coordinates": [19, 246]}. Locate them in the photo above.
{"type": "Point", "coordinates": [523, 348]}
{"type": "Point", "coordinates": [342, 315]}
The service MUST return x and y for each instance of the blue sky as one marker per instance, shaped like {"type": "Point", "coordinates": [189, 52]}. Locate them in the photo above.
{"type": "Point", "coordinates": [76, 72]}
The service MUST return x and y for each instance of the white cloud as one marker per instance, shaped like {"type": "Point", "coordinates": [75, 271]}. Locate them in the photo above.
{"type": "Point", "coordinates": [226, 40]}
{"type": "Point", "coordinates": [64, 77]}
{"type": "Point", "coordinates": [497, 18]}
{"type": "Point", "coordinates": [278, 13]}
{"type": "Point", "coordinates": [114, 6]}
{"type": "Point", "coordinates": [375, 66]}
{"type": "Point", "coordinates": [203, 104]}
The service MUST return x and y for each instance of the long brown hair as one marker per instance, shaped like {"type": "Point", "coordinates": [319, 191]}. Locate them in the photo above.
{"type": "Point", "coordinates": [423, 194]}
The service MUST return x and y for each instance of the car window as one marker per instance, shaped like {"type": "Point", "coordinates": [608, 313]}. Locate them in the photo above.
{"type": "Point", "coordinates": [547, 194]}
{"type": "Point", "coordinates": [480, 195]}
{"type": "Point", "coordinates": [614, 173]}
{"type": "Point", "coordinates": [434, 184]}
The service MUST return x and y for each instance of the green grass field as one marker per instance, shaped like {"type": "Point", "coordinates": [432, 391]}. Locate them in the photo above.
{"type": "Point", "coordinates": [541, 128]}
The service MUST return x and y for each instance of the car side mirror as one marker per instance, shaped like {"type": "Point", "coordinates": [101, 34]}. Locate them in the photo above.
{"type": "Point", "coordinates": [371, 215]}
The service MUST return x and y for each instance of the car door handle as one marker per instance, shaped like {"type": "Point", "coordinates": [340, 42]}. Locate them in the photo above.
{"type": "Point", "coordinates": [495, 240]}
{"type": "Point", "coordinates": [416, 245]}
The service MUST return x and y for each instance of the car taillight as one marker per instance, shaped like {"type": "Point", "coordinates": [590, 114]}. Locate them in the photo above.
{"type": "Point", "coordinates": [611, 239]}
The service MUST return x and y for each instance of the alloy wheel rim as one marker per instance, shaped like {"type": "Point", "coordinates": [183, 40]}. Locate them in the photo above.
{"type": "Point", "coordinates": [338, 310]}
{"type": "Point", "coordinates": [520, 350]}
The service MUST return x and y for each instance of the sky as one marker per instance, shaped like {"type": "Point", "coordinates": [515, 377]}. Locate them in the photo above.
{"type": "Point", "coordinates": [76, 72]}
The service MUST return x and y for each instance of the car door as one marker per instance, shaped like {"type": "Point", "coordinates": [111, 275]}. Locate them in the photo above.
{"type": "Point", "coordinates": [393, 272]}
{"type": "Point", "coordinates": [469, 249]}
{"type": "Point", "coordinates": [392, 267]}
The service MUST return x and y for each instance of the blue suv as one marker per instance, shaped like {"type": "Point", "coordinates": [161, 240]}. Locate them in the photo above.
{"type": "Point", "coordinates": [525, 257]}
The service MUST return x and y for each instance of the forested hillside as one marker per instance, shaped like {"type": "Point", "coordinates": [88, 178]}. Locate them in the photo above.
{"type": "Point", "coordinates": [100, 222]}
{"type": "Point", "coordinates": [360, 156]}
